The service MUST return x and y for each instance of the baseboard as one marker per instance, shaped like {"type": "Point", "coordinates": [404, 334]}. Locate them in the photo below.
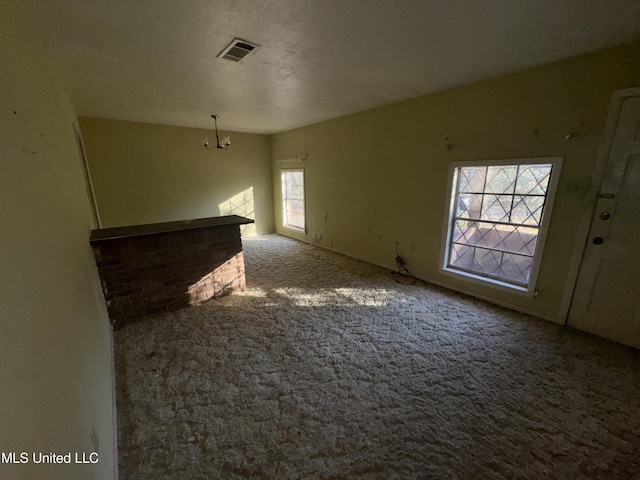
{"type": "Point", "coordinates": [438, 283]}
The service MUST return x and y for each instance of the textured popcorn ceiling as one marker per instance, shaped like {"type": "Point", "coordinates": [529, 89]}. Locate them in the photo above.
{"type": "Point", "coordinates": [155, 60]}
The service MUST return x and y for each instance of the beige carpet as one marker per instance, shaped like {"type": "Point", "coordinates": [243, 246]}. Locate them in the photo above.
{"type": "Point", "coordinates": [327, 368]}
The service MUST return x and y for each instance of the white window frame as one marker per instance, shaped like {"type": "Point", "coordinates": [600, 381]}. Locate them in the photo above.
{"type": "Point", "coordinates": [449, 214]}
{"type": "Point", "coordinates": [304, 199]}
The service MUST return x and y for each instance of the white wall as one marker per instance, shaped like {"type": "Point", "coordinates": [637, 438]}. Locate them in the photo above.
{"type": "Point", "coordinates": [56, 375]}
{"type": "Point", "coordinates": [379, 177]}
{"type": "Point", "coordinates": [145, 173]}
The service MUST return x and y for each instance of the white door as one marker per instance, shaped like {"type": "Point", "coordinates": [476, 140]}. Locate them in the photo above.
{"type": "Point", "coordinates": [606, 301]}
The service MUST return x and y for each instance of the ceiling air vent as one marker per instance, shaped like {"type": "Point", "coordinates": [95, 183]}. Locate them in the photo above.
{"type": "Point", "coordinates": [237, 50]}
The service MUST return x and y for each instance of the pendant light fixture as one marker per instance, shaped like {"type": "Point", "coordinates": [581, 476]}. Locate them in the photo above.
{"type": "Point", "coordinates": [220, 145]}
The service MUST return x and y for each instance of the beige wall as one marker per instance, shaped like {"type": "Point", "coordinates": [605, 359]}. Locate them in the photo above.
{"type": "Point", "coordinates": [56, 377]}
{"type": "Point", "coordinates": [144, 173]}
{"type": "Point", "coordinates": [379, 177]}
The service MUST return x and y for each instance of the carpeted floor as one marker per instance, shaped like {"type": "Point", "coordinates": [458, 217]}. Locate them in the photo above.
{"type": "Point", "coordinates": [327, 368]}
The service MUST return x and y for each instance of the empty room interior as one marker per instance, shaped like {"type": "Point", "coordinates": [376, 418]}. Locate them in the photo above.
{"type": "Point", "coordinates": [310, 239]}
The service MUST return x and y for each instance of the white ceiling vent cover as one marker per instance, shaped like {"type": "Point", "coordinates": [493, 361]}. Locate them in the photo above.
{"type": "Point", "coordinates": [237, 50]}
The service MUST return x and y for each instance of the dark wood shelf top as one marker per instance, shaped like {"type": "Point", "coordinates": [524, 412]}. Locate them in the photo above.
{"type": "Point", "coordinates": [154, 228]}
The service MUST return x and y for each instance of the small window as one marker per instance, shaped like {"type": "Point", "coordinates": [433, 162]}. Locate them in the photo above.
{"type": "Point", "coordinates": [497, 218]}
{"type": "Point", "coordinates": [293, 199]}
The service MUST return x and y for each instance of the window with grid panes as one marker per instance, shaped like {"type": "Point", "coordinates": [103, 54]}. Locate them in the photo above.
{"type": "Point", "coordinates": [496, 216]}
{"type": "Point", "coordinates": [293, 199]}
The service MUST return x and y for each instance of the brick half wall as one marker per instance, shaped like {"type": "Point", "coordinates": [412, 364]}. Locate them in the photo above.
{"type": "Point", "coordinates": [146, 275]}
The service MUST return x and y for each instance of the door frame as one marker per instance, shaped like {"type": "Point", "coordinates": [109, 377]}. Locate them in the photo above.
{"type": "Point", "coordinates": [591, 199]}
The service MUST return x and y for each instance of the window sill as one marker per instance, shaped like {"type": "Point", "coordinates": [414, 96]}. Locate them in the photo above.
{"type": "Point", "coordinates": [489, 282]}
{"type": "Point", "coordinates": [295, 229]}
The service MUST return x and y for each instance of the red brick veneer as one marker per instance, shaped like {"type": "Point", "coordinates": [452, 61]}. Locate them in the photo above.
{"type": "Point", "coordinates": [146, 275]}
